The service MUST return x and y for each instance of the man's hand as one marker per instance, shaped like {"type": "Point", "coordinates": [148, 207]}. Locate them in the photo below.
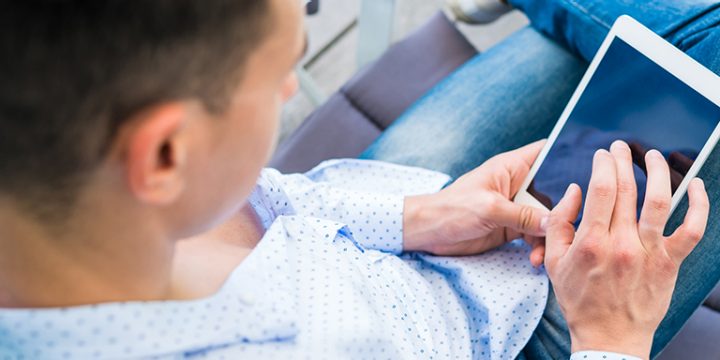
{"type": "Point", "coordinates": [475, 213]}
{"type": "Point", "coordinates": [614, 277]}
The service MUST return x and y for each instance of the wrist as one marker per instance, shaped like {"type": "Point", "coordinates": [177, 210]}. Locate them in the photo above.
{"type": "Point", "coordinates": [625, 342]}
{"type": "Point", "coordinates": [420, 223]}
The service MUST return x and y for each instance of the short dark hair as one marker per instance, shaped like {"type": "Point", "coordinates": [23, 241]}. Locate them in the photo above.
{"type": "Point", "coordinates": [72, 71]}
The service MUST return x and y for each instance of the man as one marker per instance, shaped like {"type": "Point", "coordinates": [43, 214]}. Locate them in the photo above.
{"type": "Point", "coordinates": [514, 93]}
{"type": "Point", "coordinates": [127, 127]}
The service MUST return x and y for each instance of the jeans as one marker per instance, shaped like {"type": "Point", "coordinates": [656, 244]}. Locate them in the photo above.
{"type": "Point", "coordinates": [514, 93]}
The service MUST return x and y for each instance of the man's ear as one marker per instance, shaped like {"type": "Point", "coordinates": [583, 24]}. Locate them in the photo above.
{"type": "Point", "coordinates": [156, 154]}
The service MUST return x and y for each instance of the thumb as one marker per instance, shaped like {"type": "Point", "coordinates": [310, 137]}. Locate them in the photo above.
{"type": "Point", "coordinates": [524, 219]}
{"type": "Point", "coordinates": [560, 230]}
{"type": "Point", "coordinates": [519, 162]}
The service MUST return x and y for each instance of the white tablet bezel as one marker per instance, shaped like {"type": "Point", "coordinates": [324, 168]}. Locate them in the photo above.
{"type": "Point", "coordinates": [666, 56]}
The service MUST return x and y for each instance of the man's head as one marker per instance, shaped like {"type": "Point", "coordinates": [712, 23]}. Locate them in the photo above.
{"type": "Point", "coordinates": [164, 107]}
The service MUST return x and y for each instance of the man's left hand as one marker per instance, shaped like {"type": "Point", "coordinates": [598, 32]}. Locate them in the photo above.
{"type": "Point", "coordinates": [476, 212]}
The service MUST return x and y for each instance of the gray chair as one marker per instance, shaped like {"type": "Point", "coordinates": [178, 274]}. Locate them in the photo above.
{"type": "Point", "coordinates": [367, 104]}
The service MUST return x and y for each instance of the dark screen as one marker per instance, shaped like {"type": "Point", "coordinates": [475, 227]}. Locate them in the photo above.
{"type": "Point", "coordinates": [633, 99]}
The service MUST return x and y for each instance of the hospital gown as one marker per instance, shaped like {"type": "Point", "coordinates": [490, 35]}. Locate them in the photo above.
{"type": "Point", "coordinates": [328, 280]}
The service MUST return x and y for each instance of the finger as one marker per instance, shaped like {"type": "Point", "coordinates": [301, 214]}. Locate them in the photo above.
{"type": "Point", "coordinates": [656, 206]}
{"type": "Point", "coordinates": [519, 162]}
{"type": "Point", "coordinates": [684, 239]}
{"type": "Point", "coordinates": [601, 194]}
{"type": "Point", "coordinates": [561, 231]}
{"type": "Point", "coordinates": [625, 213]}
{"type": "Point", "coordinates": [537, 254]}
{"type": "Point", "coordinates": [521, 218]}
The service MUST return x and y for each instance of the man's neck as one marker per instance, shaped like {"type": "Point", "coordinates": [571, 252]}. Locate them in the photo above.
{"type": "Point", "coordinates": [203, 263]}
{"type": "Point", "coordinates": [102, 260]}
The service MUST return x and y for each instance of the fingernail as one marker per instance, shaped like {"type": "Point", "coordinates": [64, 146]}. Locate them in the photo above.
{"type": "Point", "coordinates": [569, 189]}
{"type": "Point", "coordinates": [544, 223]}
{"type": "Point", "coordinates": [656, 154]}
{"type": "Point", "coordinates": [619, 143]}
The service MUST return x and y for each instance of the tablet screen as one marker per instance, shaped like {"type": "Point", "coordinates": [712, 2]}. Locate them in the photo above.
{"type": "Point", "coordinates": [633, 99]}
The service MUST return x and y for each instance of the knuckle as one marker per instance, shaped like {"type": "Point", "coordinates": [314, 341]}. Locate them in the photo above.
{"type": "Point", "coordinates": [646, 229]}
{"type": "Point", "coordinates": [492, 205]}
{"type": "Point", "coordinates": [602, 189]}
{"type": "Point", "coordinates": [625, 187]}
{"type": "Point", "coordinates": [658, 204]}
{"type": "Point", "coordinates": [596, 224]}
{"type": "Point", "coordinates": [625, 257]}
{"type": "Point", "coordinates": [694, 234]}
{"type": "Point", "coordinates": [489, 205]}
{"type": "Point", "coordinates": [589, 250]}
{"type": "Point", "coordinates": [555, 220]}
{"type": "Point", "coordinates": [526, 218]}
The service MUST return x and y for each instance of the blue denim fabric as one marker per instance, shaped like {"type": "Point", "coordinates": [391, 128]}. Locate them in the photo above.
{"type": "Point", "coordinates": [500, 100]}
{"type": "Point", "coordinates": [581, 25]}
{"type": "Point", "coordinates": [514, 93]}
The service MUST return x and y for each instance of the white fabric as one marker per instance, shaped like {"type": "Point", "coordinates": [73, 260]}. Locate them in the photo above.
{"type": "Point", "coordinates": [601, 355]}
{"type": "Point", "coordinates": [327, 281]}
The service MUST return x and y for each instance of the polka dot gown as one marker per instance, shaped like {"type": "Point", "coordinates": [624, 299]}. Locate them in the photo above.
{"type": "Point", "coordinates": [328, 280]}
{"type": "Point", "coordinates": [601, 355]}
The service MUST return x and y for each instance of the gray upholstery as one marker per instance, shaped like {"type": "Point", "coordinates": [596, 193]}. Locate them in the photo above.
{"type": "Point", "coordinates": [408, 70]}
{"type": "Point", "coordinates": [354, 116]}
{"type": "Point", "coordinates": [713, 301]}
{"type": "Point", "coordinates": [335, 130]}
{"type": "Point", "coordinates": [698, 339]}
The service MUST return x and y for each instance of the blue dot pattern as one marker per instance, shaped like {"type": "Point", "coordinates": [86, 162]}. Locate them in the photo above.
{"type": "Point", "coordinates": [328, 280]}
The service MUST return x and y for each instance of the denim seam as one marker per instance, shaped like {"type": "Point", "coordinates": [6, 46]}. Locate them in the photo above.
{"type": "Point", "coordinates": [587, 13]}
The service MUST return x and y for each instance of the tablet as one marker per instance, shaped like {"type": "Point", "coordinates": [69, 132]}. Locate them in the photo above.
{"type": "Point", "coordinates": [641, 89]}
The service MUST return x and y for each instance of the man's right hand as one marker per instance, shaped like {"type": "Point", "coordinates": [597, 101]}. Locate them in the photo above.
{"type": "Point", "coordinates": [614, 277]}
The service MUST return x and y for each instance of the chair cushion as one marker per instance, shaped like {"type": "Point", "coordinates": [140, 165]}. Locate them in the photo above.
{"type": "Point", "coordinates": [335, 130]}
{"type": "Point", "coordinates": [713, 301]}
{"type": "Point", "coordinates": [698, 339]}
{"type": "Point", "coordinates": [357, 114]}
{"type": "Point", "coordinates": [408, 70]}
